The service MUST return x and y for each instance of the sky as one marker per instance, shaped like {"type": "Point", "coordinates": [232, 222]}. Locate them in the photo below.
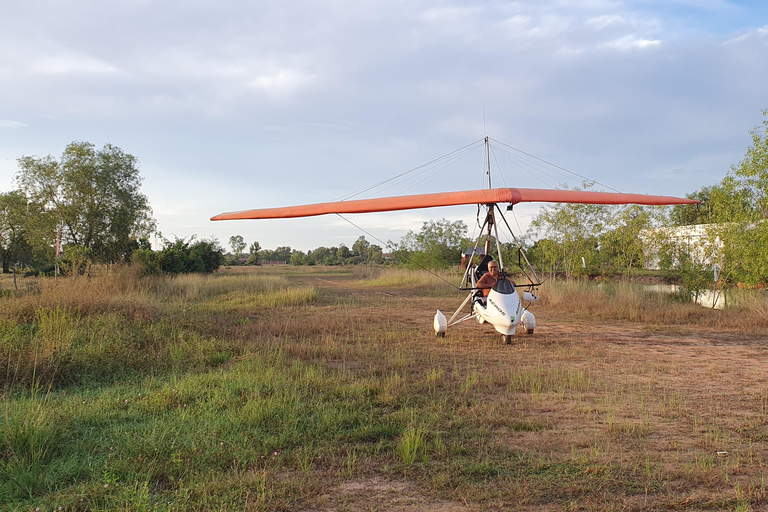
{"type": "Point", "coordinates": [233, 105]}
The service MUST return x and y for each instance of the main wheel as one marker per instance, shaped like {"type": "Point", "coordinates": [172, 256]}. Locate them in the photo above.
{"type": "Point", "coordinates": [507, 338]}
{"type": "Point", "coordinates": [529, 331]}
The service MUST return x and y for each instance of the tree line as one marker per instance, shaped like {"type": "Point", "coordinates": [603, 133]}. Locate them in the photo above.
{"type": "Point", "coordinates": [437, 244]}
{"type": "Point", "coordinates": [89, 203]}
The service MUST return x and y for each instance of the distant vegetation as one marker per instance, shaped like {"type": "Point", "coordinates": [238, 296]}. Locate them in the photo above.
{"type": "Point", "coordinates": [90, 199]}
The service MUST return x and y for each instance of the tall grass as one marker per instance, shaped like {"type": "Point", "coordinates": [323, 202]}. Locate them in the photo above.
{"type": "Point", "coordinates": [747, 310]}
{"type": "Point", "coordinates": [28, 441]}
{"type": "Point", "coordinates": [79, 330]}
{"type": "Point", "coordinates": [200, 287]}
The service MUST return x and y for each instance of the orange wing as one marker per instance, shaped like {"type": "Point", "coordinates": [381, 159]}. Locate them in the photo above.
{"type": "Point", "coordinates": [486, 196]}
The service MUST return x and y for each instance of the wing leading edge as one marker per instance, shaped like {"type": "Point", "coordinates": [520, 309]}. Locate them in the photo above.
{"type": "Point", "coordinates": [485, 196]}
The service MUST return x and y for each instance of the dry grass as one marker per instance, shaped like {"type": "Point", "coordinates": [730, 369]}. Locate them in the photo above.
{"type": "Point", "coordinates": [619, 401]}
{"type": "Point", "coordinates": [747, 309]}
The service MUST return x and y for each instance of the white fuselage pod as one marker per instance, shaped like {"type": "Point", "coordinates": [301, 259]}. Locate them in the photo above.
{"type": "Point", "coordinates": [502, 309]}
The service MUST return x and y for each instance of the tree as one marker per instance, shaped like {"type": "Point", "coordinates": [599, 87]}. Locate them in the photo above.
{"type": "Point", "coordinates": [182, 256]}
{"type": "Point", "coordinates": [751, 174]}
{"type": "Point", "coordinates": [739, 213]}
{"type": "Point", "coordinates": [298, 258]}
{"type": "Point", "coordinates": [724, 202]}
{"type": "Point", "coordinates": [238, 245]}
{"type": "Point", "coordinates": [280, 254]}
{"type": "Point", "coordinates": [575, 229]}
{"type": "Point", "coordinates": [253, 258]}
{"type": "Point", "coordinates": [283, 253]}
{"type": "Point", "coordinates": [438, 244]}
{"type": "Point", "coordinates": [94, 195]}
{"type": "Point", "coordinates": [360, 248]}
{"type": "Point", "coordinates": [621, 247]}
{"type": "Point", "coordinates": [375, 254]}
{"type": "Point", "coordinates": [14, 219]}
{"type": "Point", "coordinates": [343, 253]}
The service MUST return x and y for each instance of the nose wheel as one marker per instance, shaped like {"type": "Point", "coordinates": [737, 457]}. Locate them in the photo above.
{"type": "Point", "coordinates": [507, 338]}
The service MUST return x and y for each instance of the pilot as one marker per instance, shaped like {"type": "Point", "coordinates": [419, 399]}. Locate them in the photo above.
{"type": "Point", "coordinates": [486, 282]}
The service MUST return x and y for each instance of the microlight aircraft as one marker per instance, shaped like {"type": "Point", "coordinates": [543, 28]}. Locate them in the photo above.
{"type": "Point", "coordinates": [505, 308]}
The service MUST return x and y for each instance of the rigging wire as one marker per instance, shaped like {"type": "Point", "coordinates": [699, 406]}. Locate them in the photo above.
{"type": "Point", "coordinates": [553, 165]}
{"type": "Point", "coordinates": [448, 164]}
{"type": "Point", "coordinates": [388, 245]}
{"type": "Point", "coordinates": [366, 189]}
{"type": "Point", "coordinates": [499, 168]}
{"type": "Point", "coordinates": [516, 161]}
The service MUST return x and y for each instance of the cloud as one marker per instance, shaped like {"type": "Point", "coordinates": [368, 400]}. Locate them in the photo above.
{"type": "Point", "coordinates": [605, 21]}
{"type": "Point", "coordinates": [72, 64]}
{"type": "Point", "coordinates": [758, 34]}
{"type": "Point", "coordinates": [5, 123]}
{"type": "Point", "coordinates": [282, 82]}
{"type": "Point", "coordinates": [448, 14]}
{"type": "Point", "coordinates": [630, 42]}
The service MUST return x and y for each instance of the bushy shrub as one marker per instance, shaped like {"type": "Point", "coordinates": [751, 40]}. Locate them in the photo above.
{"type": "Point", "coordinates": [181, 257]}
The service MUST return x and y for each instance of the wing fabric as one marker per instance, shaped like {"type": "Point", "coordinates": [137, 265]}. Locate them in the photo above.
{"type": "Point", "coordinates": [485, 196]}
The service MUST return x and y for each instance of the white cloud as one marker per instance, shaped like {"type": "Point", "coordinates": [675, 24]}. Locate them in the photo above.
{"type": "Point", "coordinates": [546, 26]}
{"type": "Point", "coordinates": [448, 14]}
{"type": "Point", "coordinates": [630, 42]}
{"type": "Point", "coordinates": [282, 82]}
{"type": "Point", "coordinates": [757, 33]}
{"type": "Point", "coordinates": [605, 21]}
{"type": "Point", "coordinates": [72, 64]}
{"type": "Point", "coordinates": [5, 123]}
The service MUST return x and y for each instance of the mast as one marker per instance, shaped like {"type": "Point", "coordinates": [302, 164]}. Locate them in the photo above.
{"type": "Point", "coordinates": [491, 216]}
{"type": "Point", "coordinates": [488, 161]}
{"type": "Point", "coordinates": [489, 220]}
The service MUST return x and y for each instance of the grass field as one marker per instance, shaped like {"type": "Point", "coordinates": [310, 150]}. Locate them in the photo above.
{"type": "Point", "coordinates": [326, 389]}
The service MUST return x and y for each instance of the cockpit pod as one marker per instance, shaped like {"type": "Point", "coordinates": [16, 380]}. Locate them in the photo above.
{"type": "Point", "coordinates": [502, 307]}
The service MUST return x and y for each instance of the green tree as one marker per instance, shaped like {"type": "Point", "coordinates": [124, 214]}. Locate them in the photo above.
{"type": "Point", "coordinates": [280, 254]}
{"type": "Point", "coordinates": [375, 254]}
{"type": "Point", "coordinates": [751, 174]}
{"type": "Point", "coordinates": [238, 245]}
{"type": "Point", "coordinates": [254, 256]}
{"type": "Point", "coordinates": [190, 256]}
{"type": "Point", "coordinates": [575, 229]}
{"type": "Point", "coordinates": [544, 254]}
{"type": "Point", "coordinates": [283, 253]}
{"type": "Point", "coordinates": [739, 214]}
{"type": "Point", "coordinates": [621, 246]}
{"type": "Point", "coordinates": [343, 253]}
{"type": "Point", "coordinates": [298, 258]}
{"type": "Point", "coordinates": [724, 202]}
{"type": "Point", "coordinates": [15, 216]}
{"type": "Point", "coordinates": [323, 256]}
{"type": "Point", "coordinates": [94, 195]}
{"type": "Point", "coordinates": [438, 244]}
{"type": "Point", "coordinates": [360, 248]}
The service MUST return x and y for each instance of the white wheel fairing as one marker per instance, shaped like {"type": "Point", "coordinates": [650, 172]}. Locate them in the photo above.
{"type": "Point", "coordinates": [440, 323]}
{"type": "Point", "coordinates": [528, 321]}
